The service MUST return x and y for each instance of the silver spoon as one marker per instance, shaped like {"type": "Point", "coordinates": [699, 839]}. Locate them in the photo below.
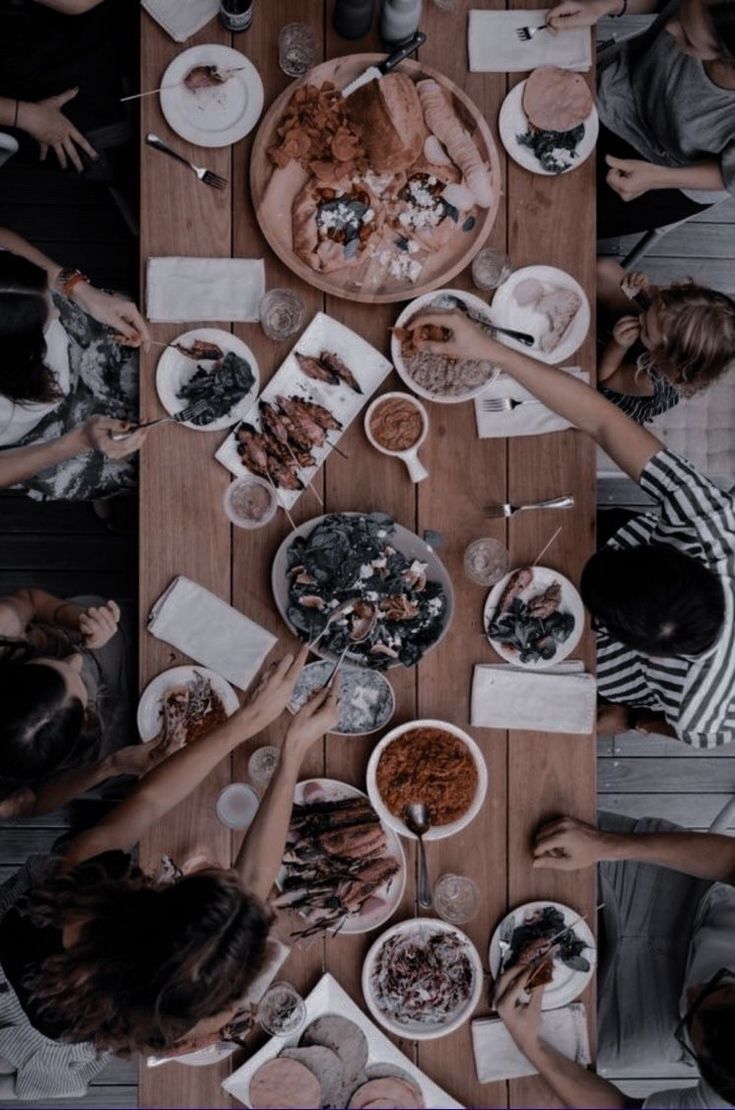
{"type": "Point", "coordinates": [416, 816]}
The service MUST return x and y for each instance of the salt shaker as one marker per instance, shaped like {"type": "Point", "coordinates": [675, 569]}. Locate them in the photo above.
{"type": "Point", "coordinates": [399, 21]}
{"type": "Point", "coordinates": [353, 18]}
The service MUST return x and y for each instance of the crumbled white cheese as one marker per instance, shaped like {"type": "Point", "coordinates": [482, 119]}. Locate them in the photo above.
{"type": "Point", "coordinates": [366, 571]}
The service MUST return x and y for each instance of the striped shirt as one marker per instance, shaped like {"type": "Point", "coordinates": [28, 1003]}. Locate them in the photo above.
{"type": "Point", "coordinates": [643, 409]}
{"type": "Point", "coordinates": [696, 694]}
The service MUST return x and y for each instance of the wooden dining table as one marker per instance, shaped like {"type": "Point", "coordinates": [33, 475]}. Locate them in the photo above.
{"type": "Point", "coordinates": [533, 777]}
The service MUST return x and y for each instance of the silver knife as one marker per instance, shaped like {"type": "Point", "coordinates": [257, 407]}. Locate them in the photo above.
{"type": "Point", "coordinates": [389, 63]}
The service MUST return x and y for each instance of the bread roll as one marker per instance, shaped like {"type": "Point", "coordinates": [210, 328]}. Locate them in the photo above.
{"type": "Point", "coordinates": [388, 115]}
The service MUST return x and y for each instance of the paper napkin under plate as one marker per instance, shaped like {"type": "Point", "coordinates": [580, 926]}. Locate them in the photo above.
{"type": "Point", "coordinates": [497, 1057]}
{"type": "Point", "coordinates": [210, 631]}
{"type": "Point", "coordinates": [528, 419]}
{"type": "Point", "coordinates": [193, 289]}
{"type": "Point", "coordinates": [560, 699]}
{"type": "Point", "coordinates": [494, 47]}
{"type": "Point", "coordinates": [182, 18]}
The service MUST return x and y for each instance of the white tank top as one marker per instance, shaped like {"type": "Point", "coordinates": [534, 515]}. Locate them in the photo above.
{"type": "Point", "coordinates": [18, 419]}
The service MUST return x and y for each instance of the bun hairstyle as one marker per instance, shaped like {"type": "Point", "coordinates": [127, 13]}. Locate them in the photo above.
{"type": "Point", "coordinates": [151, 961]}
{"type": "Point", "coordinates": [698, 325]}
{"type": "Point", "coordinates": [24, 376]}
{"type": "Point", "coordinates": [42, 729]}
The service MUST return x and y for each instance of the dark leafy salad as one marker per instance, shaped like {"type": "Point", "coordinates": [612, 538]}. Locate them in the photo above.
{"type": "Point", "coordinates": [543, 925]}
{"type": "Point", "coordinates": [555, 150]}
{"type": "Point", "coordinates": [221, 384]}
{"type": "Point", "coordinates": [533, 626]}
{"type": "Point", "coordinates": [350, 587]}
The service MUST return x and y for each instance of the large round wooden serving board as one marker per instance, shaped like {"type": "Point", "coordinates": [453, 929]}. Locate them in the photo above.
{"type": "Point", "coordinates": [273, 196]}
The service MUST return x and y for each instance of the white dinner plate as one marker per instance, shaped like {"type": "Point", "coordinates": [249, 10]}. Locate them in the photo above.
{"type": "Point", "coordinates": [566, 984]}
{"type": "Point", "coordinates": [149, 716]}
{"type": "Point", "coordinates": [174, 369]}
{"type": "Point", "coordinates": [391, 892]}
{"type": "Point", "coordinates": [507, 313]}
{"type": "Point", "coordinates": [571, 602]}
{"type": "Point", "coordinates": [513, 122]}
{"type": "Point", "coordinates": [217, 116]}
{"type": "Point", "coordinates": [417, 1031]}
{"type": "Point", "coordinates": [436, 832]}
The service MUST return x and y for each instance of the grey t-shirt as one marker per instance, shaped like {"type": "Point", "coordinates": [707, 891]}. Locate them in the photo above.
{"type": "Point", "coordinates": [663, 103]}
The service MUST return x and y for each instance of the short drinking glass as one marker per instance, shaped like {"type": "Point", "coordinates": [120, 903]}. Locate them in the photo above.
{"type": "Point", "coordinates": [282, 313]}
{"type": "Point", "coordinates": [296, 49]}
{"type": "Point", "coordinates": [262, 764]}
{"type": "Point", "coordinates": [282, 1010]}
{"type": "Point", "coordinates": [490, 268]}
{"type": "Point", "coordinates": [456, 898]}
{"type": "Point", "coordinates": [486, 561]}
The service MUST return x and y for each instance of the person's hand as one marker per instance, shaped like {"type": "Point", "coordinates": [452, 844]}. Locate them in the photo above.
{"type": "Point", "coordinates": [627, 331]}
{"type": "Point", "coordinates": [631, 177]}
{"type": "Point", "coordinates": [117, 312]}
{"type": "Point", "coordinates": [98, 624]}
{"type": "Point", "coordinates": [612, 719]}
{"type": "Point", "coordinates": [316, 717]}
{"type": "Point", "coordinates": [45, 122]}
{"type": "Point", "coordinates": [635, 281]}
{"type": "Point", "coordinates": [464, 339]}
{"type": "Point", "coordinates": [137, 759]}
{"type": "Point", "coordinates": [520, 1014]}
{"type": "Point", "coordinates": [96, 435]}
{"type": "Point", "coordinates": [274, 688]}
{"type": "Point", "coordinates": [568, 845]}
{"type": "Point", "coordinates": [578, 13]}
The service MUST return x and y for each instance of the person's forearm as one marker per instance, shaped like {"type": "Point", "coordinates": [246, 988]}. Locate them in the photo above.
{"type": "Point", "coordinates": [56, 793]}
{"type": "Point", "coordinates": [70, 7]}
{"type": "Point", "coordinates": [699, 175]}
{"type": "Point", "coordinates": [704, 855]}
{"type": "Point", "coordinates": [9, 241]}
{"type": "Point", "coordinates": [17, 464]}
{"type": "Point", "coordinates": [46, 608]}
{"type": "Point", "coordinates": [574, 1085]}
{"type": "Point", "coordinates": [259, 858]}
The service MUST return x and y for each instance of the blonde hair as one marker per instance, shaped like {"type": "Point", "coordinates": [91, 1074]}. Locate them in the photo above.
{"type": "Point", "coordinates": [698, 329]}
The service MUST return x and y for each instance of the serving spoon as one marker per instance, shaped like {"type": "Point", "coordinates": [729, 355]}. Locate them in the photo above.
{"type": "Point", "coordinates": [416, 816]}
{"type": "Point", "coordinates": [448, 301]}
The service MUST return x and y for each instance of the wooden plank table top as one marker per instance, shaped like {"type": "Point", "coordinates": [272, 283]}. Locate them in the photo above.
{"type": "Point", "coordinates": [533, 777]}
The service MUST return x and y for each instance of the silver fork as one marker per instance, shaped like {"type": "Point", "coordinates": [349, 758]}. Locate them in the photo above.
{"type": "Point", "coordinates": [525, 34]}
{"type": "Point", "coordinates": [205, 175]}
{"type": "Point", "coordinates": [196, 408]}
{"type": "Point", "coordinates": [507, 509]}
{"type": "Point", "coordinates": [503, 404]}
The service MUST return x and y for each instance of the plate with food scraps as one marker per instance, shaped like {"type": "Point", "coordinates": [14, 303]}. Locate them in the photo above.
{"type": "Point", "coordinates": [366, 699]}
{"type": "Point", "coordinates": [362, 582]}
{"type": "Point", "coordinates": [445, 380]}
{"type": "Point", "coordinates": [549, 304]}
{"type": "Point", "coordinates": [356, 1052]}
{"type": "Point", "coordinates": [422, 979]}
{"type": "Point", "coordinates": [534, 617]}
{"type": "Point", "coordinates": [545, 152]}
{"type": "Point", "coordinates": [211, 95]}
{"type": "Point", "coordinates": [212, 365]}
{"type": "Point", "coordinates": [428, 761]}
{"type": "Point", "coordinates": [195, 696]}
{"type": "Point", "coordinates": [343, 871]}
{"type": "Point", "coordinates": [522, 937]}
{"type": "Point", "coordinates": [312, 398]}
{"type": "Point", "coordinates": [379, 196]}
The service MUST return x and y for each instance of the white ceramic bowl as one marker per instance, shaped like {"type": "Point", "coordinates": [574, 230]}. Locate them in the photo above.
{"type": "Point", "coordinates": [416, 470]}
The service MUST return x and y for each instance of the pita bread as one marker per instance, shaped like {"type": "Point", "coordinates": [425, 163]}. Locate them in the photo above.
{"type": "Point", "coordinates": [556, 99]}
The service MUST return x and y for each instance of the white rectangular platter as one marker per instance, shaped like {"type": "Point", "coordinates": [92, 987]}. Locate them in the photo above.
{"type": "Point", "coordinates": [367, 364]}
{"type": "Point", "coordinates": [328, 997]}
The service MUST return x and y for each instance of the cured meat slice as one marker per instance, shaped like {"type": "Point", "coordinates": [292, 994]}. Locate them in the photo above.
{"type": "Point", "coordinates": [283, 1084]}
{"type": "Point", "coordinates": [343, 1037]}
{"type": "Point", "coordinates": [556, 99]}
{"type": "Point", "coordinates": [401, 1094]}
{"type": "Point", "coordinates": [326, 1065]}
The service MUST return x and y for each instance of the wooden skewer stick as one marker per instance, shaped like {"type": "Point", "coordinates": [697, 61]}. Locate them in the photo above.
{"type": "Point", "coordinates": [546, 547]}
{"type": "Point", "coordinates": [311, 485]}
{"type": "Point", "coordinates": [278, 498]}
{"type": "Point", "coordinates": [151, 92]}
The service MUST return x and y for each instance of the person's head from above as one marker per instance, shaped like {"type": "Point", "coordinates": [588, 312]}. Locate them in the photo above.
{"type": "Point", "coordinates": [146, 966]}
{"type": "Point", "coordinates": [707, 1031]}
{"type": "Point", "coordinates": [689, 332]}
{"type": "Point", "coordinates": [44, 721]}
{"type": "Point", "coordinates": [654, 599]}
{"type": "Point", "coordinates": [705, 30]}
{"type": "Point", "coordinates": [25, 312]}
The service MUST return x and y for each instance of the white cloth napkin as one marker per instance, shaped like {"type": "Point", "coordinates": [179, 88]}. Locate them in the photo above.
{"type": "Point", "coordinates": [494, 47]}
{"type": "Point", "coordinates": [210, 631]}
{"type": "Point", "coordinates": [181, 18]}
{"type": "Point", "coordinates": [497, 1057]}
{"type": "Point", "coordinates": [192, 289]}
{"type": "Point", "coordinates": [560, 699]}
{"type": "Point", "coordinates": [529, 419]}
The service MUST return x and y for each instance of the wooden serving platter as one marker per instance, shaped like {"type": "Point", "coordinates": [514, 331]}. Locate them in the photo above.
{"type": "Point", "coordinates": [273, 192]}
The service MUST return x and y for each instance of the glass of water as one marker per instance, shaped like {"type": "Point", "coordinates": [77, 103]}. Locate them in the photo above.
{"type": "Point", "coordinates": [490, 268]}
{"type": "Point", "coordinates": [282, 313]}
{"type": "Point", "coordinates": [281, 1010]}
{"type": "Point", "coordinates": [296, 49]}
{"type": "Point", "coordinates": [262, 764]}
{"type": "Point", "coordinates": [486, 561]}
{"type": "Point", "coordinates": [456, 898]}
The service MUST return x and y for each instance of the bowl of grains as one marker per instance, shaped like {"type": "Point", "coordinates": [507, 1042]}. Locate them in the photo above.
{"type": "Point", "coordinates": [250, 502]}
{"type": "Point", "coordinates": [427, 761]}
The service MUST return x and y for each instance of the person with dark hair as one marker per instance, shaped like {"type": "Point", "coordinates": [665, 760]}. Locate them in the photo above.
{"type": "Point", "coordinates": [98, 958]}
{"type": "Point", "coordinates": [67, 681]}
{"type": "Point", "coordinates": [666, 100]}
{"type": "Point", "coordinates": [68, 379]}
{"type": "Point", "coordinates": [661, 593]}
{"type": "Point", "coordinates": [666, 968]}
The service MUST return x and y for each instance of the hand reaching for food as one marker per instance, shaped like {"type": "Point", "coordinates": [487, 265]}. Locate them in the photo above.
{"type": "Point", "coordinates": [98, 624]}
{"type": "Point", "coordinates": [317, 717]}
{"type": "Point", "coordinates": [627, 331]}
{"type": "Point", "coordinates": [273, 690]}
{"type": "Point", "coordinates": [567, 845]}
{"type": "Point", "coordinates": [578, 13]}
{"type": "Point", "coordinates": [453, 335]}
{"type": "Point", "coordinates": [116, 311]}
{"type": "Point", "coordinates": [519, 1008]}
{"type": "Point", "coordinates": [97, 432]}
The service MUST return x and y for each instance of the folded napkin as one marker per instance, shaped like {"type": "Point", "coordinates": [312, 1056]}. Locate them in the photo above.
{"type": "Point", "coordinates": [529, 419]}
{"type": "Point", "coordinates": [181, 289]}
{"type": "Point", "coordinates": [497, 1057]}
{"type": "Point", "coordinates": [494, 47]}
{"type": "Point", "coordinates": [560, 699]}
{"type": "Point", "coordinates": [181, 18]}
{"type": "Point", "coordinates": [210, 631]}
